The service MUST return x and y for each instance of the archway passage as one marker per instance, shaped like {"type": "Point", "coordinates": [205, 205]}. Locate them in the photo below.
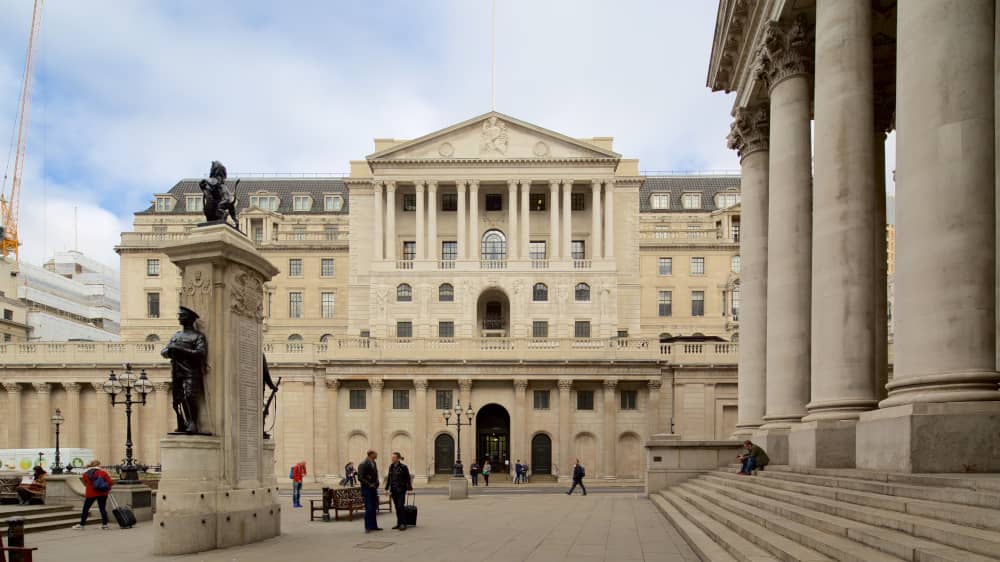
{"type": "Point", "coordinates": [444, 454]}
{"type": "Point", "coordinates": [541, 454]}
{"type": "Point", "coordinates": [493, 436]}
{"type": "Point", "coordinates": [493, 313]}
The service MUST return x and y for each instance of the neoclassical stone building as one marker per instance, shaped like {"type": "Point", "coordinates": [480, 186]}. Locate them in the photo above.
{"type": "Point", "coordinates": [575, 304]}
{"type": "Point", "coordinates": [812, 366]}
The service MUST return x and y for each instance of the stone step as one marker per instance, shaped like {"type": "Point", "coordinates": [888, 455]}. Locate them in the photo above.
{"type": "Point", "coordinates": [40, 518]}
{"type": "Point", "coordinates": [710, 540]}
{"type": "Point", "coordinates": [908, 537]}
{"type": "Point", "coordinates": [980, 482]}
{"type": "Point", "coordinates": [790, 524]}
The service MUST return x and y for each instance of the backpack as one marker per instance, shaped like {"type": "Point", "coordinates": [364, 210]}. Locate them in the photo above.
{"type": "Point", "coordinates": [98, 484]}
{"type": "Point", "coordinates": [291, 473]}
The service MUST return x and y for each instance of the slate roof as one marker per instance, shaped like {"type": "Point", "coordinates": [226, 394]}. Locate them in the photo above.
{"type": "Point", "coordinates": [676, 185]}
{"type": "Point", "coordinates": [284, 188]}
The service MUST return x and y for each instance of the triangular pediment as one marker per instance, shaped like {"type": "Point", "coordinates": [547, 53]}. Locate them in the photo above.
{"type": "Point", "coordinates": [493, 136]}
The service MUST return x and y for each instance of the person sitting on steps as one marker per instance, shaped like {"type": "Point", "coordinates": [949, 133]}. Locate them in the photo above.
{"type": "Point", "coordinates": [754, 459]}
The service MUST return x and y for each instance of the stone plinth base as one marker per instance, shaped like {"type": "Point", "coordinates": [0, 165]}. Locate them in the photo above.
{"type": "Point", "coordinates": [822, 444]}
{"type": "Point", "coordinates": [421, 479]}
{"type": "Point", "coordinates": [945, 437]}
{"type": "Point", "coordinates": [671, 460]}
{"type": "Point", "coordinates": [138, 496]}
{"type": "Point", "coordinates": [774, 441]}
{"type": "Point", "coordinates": [65, 488]}
{"type": "Point", "coordinates": [458, 488]}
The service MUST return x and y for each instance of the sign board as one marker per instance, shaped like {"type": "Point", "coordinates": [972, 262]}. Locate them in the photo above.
{"type": "Point", "coordinates": [22, 460]}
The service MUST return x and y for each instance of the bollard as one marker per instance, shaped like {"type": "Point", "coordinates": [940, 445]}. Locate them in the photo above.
{"type": "Point", "coordinates": [15, 538]}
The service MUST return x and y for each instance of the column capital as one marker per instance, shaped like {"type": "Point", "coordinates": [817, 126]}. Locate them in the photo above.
{"type": "Point", "coordinates": [332, 383]}
{"type": "Point", "coordinates": [525, 184]}
{"type": "Point", "coordinates": [565, 385]}
{"type": "Point", "coordinates": [655, 384]}
{"type": "Point", "coordinates": [568, 182]}
{"type": "Point", "coordinates": [465, 385]}
{"type": "Point", "coordinates": [11, 386]}
{"type": "Point", "coordinates": [42, 387]}
{"type": "Point", "coordinates": [611, 383]}
{"type": "Point", "coordinates": [376, 383]}
{"type": "Point", "coordinates": [98, 385]}
{"type": "Point", "coordinates": [162, 386]}
{"type": "Point", "coordinates": [420, 384]}
{"type": "Point", "coordinates": [609, 183]}
{"type": "Point", "coordinates": [521, 384]}
{"type": "Point", "coordinates": [71, 386]}
{"type": "Point", "coordinates": [595, 184]}
{"type": "Point", "coordinates": [460, 185]}
{"type": "Point", "coordinates": [473, 185]}
{"type": "Point", "coordinates": [377, 184]}
{"type": "Point", "coordinates": [512, 184]}
{"type": "Point", "coordinates": [390, 186]}
{"type": "Point", "coordinates": [554, 185]}
{"type": "Point", "coordinates": [419, 185]}
{"type": "Point", "coordinates": [432, 185]}
{"type": "Point", "coordinates": [750, 131]}
{"type": "Point", "coordinates": [787, 51]}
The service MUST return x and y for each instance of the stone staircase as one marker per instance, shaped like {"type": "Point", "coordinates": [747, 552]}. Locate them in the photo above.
{"type": "Point", "coordinates": [836, 514]}
{"type": "Point", "coordinates": [48, 517]}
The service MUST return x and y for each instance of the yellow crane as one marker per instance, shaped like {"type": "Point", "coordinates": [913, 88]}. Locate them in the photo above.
{"type": "Point", "coordinates": [10, 199]}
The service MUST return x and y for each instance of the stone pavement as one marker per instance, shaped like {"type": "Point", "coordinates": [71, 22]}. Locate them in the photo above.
{"type": "Point", "coordinates": [537, 527]}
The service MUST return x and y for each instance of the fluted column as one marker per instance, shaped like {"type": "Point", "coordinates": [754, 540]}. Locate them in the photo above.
{"type": "Point", "coordinates": [433, 248]}
{"type": "Point", "coordinates": [333, 431]}
{"type": "Point", "coordinates": [565, 465]}
{"type": "Point", "coordinates": [610, 471]}
{"type": "Point", "coordinates": [13, 413]}
{"type": "Point", "coordinates": [468, 433]}
{"type": "Point", "coordinates": [525, 218]}
{"type": "Point", "coordinates": [519, 447]}
{"type": "Point", "coordinates": [102, 426]}
{"type": "Point", "coordinates": [609, 218]}
{"type": "Point", "coordinates": [595, 219]}
{"type": "Point", "coordinates": [567, 219]}
{"type": "Point", "coordinates": [378, 218]}
{"type": "Point", "coordinates": [749, 137]}
{"type": "Point", "coordinates": [653, 408]}
{"type": "Point", "coordinates": [513, 248]}
{"type": "Point", "coordinates": [375, 414]}
{"type": "Point", "coordinates": [420, 443]}
{"type": "Point", "coordinates": [390, 220]}
{"type": "Point", "coordinates": [553, 249]}
{"type": "Point", "coordinates": [420, 241]}
{"type": "Point", "coordinates": [474, 246]}
{"type": "Point", "coordinates": [43, 414]}
{"type": "Point", "coordinates": [463, 231]}
{"type": "Point", "coordinates": [70, 431]}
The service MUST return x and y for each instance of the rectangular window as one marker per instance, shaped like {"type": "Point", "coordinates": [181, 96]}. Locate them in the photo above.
{"type": "Point", "coordinates": [152, 305]}
{"type": "Point", "coordinates": [301, 203]}
{"type": "Point", "coordinates": [330, 232]}
{"type": "Point", "coordinates": [409, 201]}
{"type": "Point", "coordinates": [400, 399]}
{"type": "Point", "coordinates": [494, 201]}
{"type": "Point", "coordinates": [579, 250]}
{"type": "Point", "coordinates": [659, 201]}
{"type": "Point", "coordinates": [735, 303]}
{"type": "Point", "coordinates": [666, 266]}
{"type": "Point", "coordinates": [153, 267]}
{"type": "Point", "coordinates": [295, 267]}
{"type": "Point", "coordinates": [736, 231]}
{"type": "Point", "coordinates": [734, 264]}
{"type": "Point", "coordinates": [665, 303]}
{"type": "Point", "coordinates": [697, 303]}
{"type": "Point", "coordinates": [6, 338]}
{"type": "Point", "coordinates": [536, 201]}
{"type": "Point", "coordinates": [409, 250]}
{"type": "Point", "coordinates": [691, 201]}
{"type": "Point", "coordinates": [540, 329]}
{"type": "Point", "coordinates": [333, 203]}
{"type": "Point", "coordinates": [449, 250]}
{"type": "Point", "coordinates": [443, 400]}
{"type": "Point", "coordinates": [404, 329]}
{"type": "Point", "coordinates": [164, 204]}
{"type": "Point", "coordinates": [576, 201]}
{"type": "Point", "coordinates": [446, 329]}
{"type": "Point", "coordinates": [697, 266]}
{"type": "Point", "coordinates": [327, 300]}
{"type": "Point", "coordinates": [8, 314]}
{"type": "Point", "coordinates": [357, 399]}
{"type": "Point", "coordinates": [584, 399]}
{"type": "Point", "coordinates": [541, 399]}
{"type": "Point", "coordinates": [449, 202]}
{"type": "Point", "coordinates": [581, 329]}
{"type": "Point", "coordinates": [326, 267]}
{"type": "Point", "coordinates": [193, 204]}
{"type": "Point", "coordinates": [630, 400]}
{"type": "Point", "coordinates": [536, 250]}
{"type": "Point", "coordinates": [295, 304]}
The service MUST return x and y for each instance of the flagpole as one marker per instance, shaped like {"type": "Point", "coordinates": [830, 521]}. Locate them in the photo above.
{"type": "Point", "coordinates": [493, 59]}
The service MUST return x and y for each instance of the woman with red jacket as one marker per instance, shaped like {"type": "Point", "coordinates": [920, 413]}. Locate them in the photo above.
{"type": "Point", "coordinates": [98, 485]}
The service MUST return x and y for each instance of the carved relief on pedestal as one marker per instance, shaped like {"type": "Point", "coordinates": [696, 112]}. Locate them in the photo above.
{"type": "Point", "coordinates": [787, 51]}
{"type": "Point", "coordinates": [750, 131]}
{"type": "Point", "coordinates": [247, 294]}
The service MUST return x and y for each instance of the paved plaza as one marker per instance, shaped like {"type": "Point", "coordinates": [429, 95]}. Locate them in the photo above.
{"type": "Point", "coordinates": [606, 526]}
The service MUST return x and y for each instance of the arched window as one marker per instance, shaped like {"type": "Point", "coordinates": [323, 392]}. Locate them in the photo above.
{"type": "Point", "coordinates": [404, 293]}
{"type": "Point", "coordinates": [152, 338]}
{"type": "Point", "coordinates": [446, 292]}
{"type": "Point", "coordinates": [326, 338]}
{"type": "Point", "coordinates": [582, 292]}
{"type": "Point", "coordinates": [540, 293]}
{"type": "Point", "coordinates": [295, 338]}
{"type": "Point", "coordinates": [494, 246]}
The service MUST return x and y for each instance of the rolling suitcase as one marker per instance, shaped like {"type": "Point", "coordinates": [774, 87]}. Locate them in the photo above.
{"type": "Point", "coordinates": [123, 513]}
{"type": "Point", "coordinates": [410, 510]}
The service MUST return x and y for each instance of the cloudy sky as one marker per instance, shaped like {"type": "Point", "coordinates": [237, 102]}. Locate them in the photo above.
{"type": "Point", "coordinates": [132, 96]}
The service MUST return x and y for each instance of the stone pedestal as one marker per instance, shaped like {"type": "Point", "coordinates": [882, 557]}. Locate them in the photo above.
{"type": "Point", "coordinates": [219, 490]}
{"type": "Point", "coordinates": [458, 488]}
{"type": "Point", "coordinates": [774, 441]}
{"type": "Point", "coordinates": [138, 496]}
{"type": "Point", "coordinates": [931, 437]}
{"type": "Point", "coordinates": [671, 460]}
{"type": "Point", "coordinates": [822, 444]}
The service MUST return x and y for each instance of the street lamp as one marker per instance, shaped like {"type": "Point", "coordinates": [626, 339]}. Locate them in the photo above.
{"type": "Point", "coordinates": [114, 386]}
{"type": "Point", "coordinates": [459, 471]}
{"type": "Point", "coordinates": [57, 420]}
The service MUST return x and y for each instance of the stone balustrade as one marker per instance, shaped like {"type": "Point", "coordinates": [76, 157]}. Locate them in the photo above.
{"type": "Point", "coordinates": [511, 265]}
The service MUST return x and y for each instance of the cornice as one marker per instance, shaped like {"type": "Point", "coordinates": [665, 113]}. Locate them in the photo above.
{"type": "Point", "coordinates": [488, 162]}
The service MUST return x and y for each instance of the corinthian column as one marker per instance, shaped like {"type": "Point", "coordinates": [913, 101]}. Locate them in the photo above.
{"type": "Point", "coordinates": [567, 218]}
{"type": "Point", "coordinates": [102, 426]}
{"type": "Point", "coordinates": [43, 413]}
{"type": "Point", "coordinates": [565, 466]}
{"type": "Point", "coordinates": [512, 245]}
{"type": "Point", "coordinates": [420, 240]}
{"type": "Point", "coordinates": [749, 137]}
{"type": "Point", "coordinates": [653, 408]}
{"type": "Point", "coordinates": [71, 429]}
{"type": "Point", "coordinates": [610, 429]}
{"type": "Point", "coordinates": [468, 443]}
{"type": "Point", "coordinates": [378, 217]}
{"type": "Point", "coordinates": [609, 218]}
{"type": "Point", "coordinates": [553, 249]}
{"type": "Point", "coordinates": [433, 248]}
{"type": "Point", "coordinates": [375, 414]}
{"type": "Point", "coordinates": [162, 404]}
{"type": "Point", "coordinates": [420, 444]}
{"type": "Point", "coordinates": [525, 218]}
{"type": "Point", "coordinates": [474, 219]}
{"type": "Point", "coordinates": [595, 219]}
{"type": "Point", "coordinates": [390, 220]}
{"type": "Point", "coordinates": [463, 232]}
{"type": "Point", "coordinates": [13, 413]}
{"type": "Point", "coordinates": [520, 449]}
{"type": "Point", "coordinates": [333, 432]}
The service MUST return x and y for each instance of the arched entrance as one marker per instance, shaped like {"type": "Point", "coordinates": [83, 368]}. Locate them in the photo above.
{"type": "Point", "coordinates": [444, 454]}
{"type": "Point", "coordinates": [493, 313]}
{"type": "Point", "coordinates": [493, 436]}
{"type": "Point", "coordinates": [541, 454]}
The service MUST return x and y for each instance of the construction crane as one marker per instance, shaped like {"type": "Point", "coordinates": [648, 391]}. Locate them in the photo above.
{"type": "Point", "coordinates": [10, 200]}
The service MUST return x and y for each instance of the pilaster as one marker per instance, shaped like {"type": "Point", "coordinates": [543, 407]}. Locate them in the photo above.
{"type": "Point", "coordinates": [333, 430]}
{"type": "Point", "coordinates": [564, 466]}
{"type": "Point", "coordinates": [610, 429]}
{"type": "Point", "coordinates": [43, 400]}
{"type": "Point", "coordinates": [14, 413]}
{"type": "Point", "coordinates": [421, 470]}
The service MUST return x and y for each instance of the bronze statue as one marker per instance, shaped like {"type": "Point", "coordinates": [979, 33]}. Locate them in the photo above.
{"type": "Point", "coordinates": [273, 387]}
{"type": "Point", "coordinates": [188, 352]}
{"type": "Point", "coordinates": [218, 200]}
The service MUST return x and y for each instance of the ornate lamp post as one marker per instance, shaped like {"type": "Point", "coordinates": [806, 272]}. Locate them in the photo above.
{"type": "Point", "coordinates": [459, 471]}
{"type": "Point", "coordinates": [57, 420]}
{"type": "Point", "coordinates": [114, 386]}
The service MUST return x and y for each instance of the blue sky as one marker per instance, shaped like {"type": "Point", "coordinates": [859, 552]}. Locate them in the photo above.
{"type": "Point", "coordinates": [132, 96]}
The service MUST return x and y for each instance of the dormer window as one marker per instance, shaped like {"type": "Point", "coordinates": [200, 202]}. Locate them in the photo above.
{"type": "Point", "coordinates": [301, 203]}
{"type": "Point", "coordinates": [193, 203]}
{"type": "Point", "coordinates": [264, 202]}
{"type": "Point", "coordinates": [659, 201]}
{"type": "Point", "coordinates": [726, 200]}
{"type": "Point", "coordinates": [691, 201]}
{"type": "Point", "coordinates": [164, 203]}
{"type": "Point", "coordinates": [334, 203]}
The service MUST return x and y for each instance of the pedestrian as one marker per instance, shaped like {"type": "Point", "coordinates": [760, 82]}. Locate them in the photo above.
{"type": "Point", "coordinates": [578, 474]}
{"type": "Point", "coordinates": [474, 473]}
{"type": "Point", "coordinates": [368, 476]}
{"type": "Point", "coordinates": [398, 483]}
{"type": "Point", "coordinates": [350, 475]}
{"type": "Point", "coordinates": [517, 472]}
{"type": "Point", "coordinates": [754, 459]}
{"type": "Point", "coordinates": [298, 471]}
{"type": "Point", "coordinates": [34, 488]}
{"type": "Point", "coordinates": [524, 473]}
{"type": "Point", "coordinates": [98, 485]}
{"type": "Point", "coordinates": [487, 469]}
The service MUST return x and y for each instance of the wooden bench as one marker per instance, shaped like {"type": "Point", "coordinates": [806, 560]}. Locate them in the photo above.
{"type": "Point", "coordinates": [8, 489]}
{"type": "Point", "coordinates": [343, 499]}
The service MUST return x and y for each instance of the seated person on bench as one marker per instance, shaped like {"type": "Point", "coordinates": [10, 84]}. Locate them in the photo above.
{"type": "Point", "coordinates": [33, 488]}
{"type": "Point", "coordinates": [754, 459]}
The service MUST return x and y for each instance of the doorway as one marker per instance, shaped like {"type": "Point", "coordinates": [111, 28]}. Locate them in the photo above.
{"type": "Point", "coordinates": [541, 454]}
{"type": "Point", "coordinates": [444, 454]}
{"type": "Point", "coordinates": [493, 436]}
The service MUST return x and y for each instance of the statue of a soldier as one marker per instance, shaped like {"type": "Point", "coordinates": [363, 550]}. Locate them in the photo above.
{"type": "Point", "coordinates": [218, 200]}
{"type": "Point", "coordinates": [188, 352]}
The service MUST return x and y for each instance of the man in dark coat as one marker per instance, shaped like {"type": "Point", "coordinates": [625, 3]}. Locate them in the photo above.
{"type": "Point", "coordinates": [754, 459]}
{"type": "Point", "coordinates": [368, 476]}
{"type": "Point", "coordinates": [578, 474]}
{"type": "Point", "coordinates": [398, 483]}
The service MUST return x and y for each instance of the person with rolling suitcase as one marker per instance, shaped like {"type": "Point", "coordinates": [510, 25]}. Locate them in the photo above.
{"type": "Point", "coordinates": [123, 514]}
{"type": "Point", "coordinates": [398, 484]}
{"type": "Point", "coordinates": [410, 510]}
{"type": "Point", "coordinates": [98, 485]}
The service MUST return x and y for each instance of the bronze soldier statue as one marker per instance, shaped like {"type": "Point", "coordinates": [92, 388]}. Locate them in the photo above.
{"type": "Point", "coordinates": [217, 199]}
{"type": "Point", "coordinates": [188, 352]}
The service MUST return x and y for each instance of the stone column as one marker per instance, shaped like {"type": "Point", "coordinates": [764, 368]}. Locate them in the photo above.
{"type": "Point", "coordinates": [378, 217]}
{"type": "Point", "coordinates": [945, 379]}
{"type": "Point", "coordinates": [463, 232]}
{"type": "Point", "coordinates": [567, 220]}
{"type": "Point", "coordinates": [162, 403]}
{"type": "Point", "coordinates": [474, 250]}
{"type": "Point", "coordinates": [785, 66]}
{"type": "Point", "coordinates": [420, 240]}
{"type": "Point", "coordinates": [322, 469]}
{"type": "Point", "coordinates": [102, 426]}
{"type": "Point", "coordinates": [595, 219]}
{"type": "Point", "coordinates": [519, 446]}
{"type": "Point", "coordinates": [433, 248]}
{"type": "Point", "coordinates": [70, 431]}
{"type": "Point", "coordinates": [749, 137]}
{"type": "Point", "coordinates": [525, 218]}
{"type": "Point", "coordinates": [333, 432]}
{"type": "Point", "coordinates": [468, 433]}
{"type": "Point", "coordinates": [512, 245]}
{"type": "Point", "coordinates": [390, 221]}
{"type": "Point", "coordinates": [43, 414]}
{"type": "Point", "coordinates": [609, 218]}
{"type": "Point", "coordinates": [553, 249]}
{"type": "Point", "coordinates": [420, 444]}
{"type": "Point", "coordinates": [653, 407]}
{"type": "Point", "coordinates": [375, 415]}
{"type": "Point", "coordinates": [13, 413]}
{"type": "Point", "coordinates": [610, 471]}
{"type": "Point", "coordinates": [564, 465]}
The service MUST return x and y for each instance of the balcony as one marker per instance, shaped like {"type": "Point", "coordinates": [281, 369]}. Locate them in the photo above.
{"type": "Point", "coordinates": [700, 236]}
{"type": "Point", "coordinates": [512, 265]}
